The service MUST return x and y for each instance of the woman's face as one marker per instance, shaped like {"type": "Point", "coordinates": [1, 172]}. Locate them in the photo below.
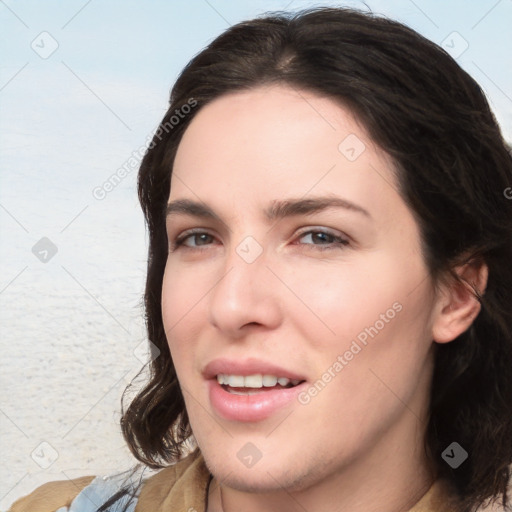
{"type": "Point", "coordinates": [298, 260]}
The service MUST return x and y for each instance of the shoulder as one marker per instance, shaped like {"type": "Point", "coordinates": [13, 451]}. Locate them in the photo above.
{"type": "Point", "coordinates": [52, 495]}
{"type": "Point", "coordinates": [84, 494]}
{"type": "Point", "coordinates": [183, 486]}
{"type": "Point", "coordinates": [184, 482]}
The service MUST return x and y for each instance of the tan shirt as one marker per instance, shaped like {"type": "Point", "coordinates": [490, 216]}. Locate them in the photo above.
{"type": "Point", "coordinates": [180, 488]}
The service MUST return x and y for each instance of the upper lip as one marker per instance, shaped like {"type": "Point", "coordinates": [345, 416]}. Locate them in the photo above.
{"type": "Point", "coordinates": [247, 367]}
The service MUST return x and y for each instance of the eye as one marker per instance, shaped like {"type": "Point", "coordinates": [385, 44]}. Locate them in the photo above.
{"type": "Point", "coordinates": [192, 240]}
{"type": "Point", "coordinates": [319, 239]}
{"type": "Point", "coordinates": [323, 240]}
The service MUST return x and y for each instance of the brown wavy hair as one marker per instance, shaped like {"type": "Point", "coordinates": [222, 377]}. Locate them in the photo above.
{"type": "Point", "coordinates": [453, 169]}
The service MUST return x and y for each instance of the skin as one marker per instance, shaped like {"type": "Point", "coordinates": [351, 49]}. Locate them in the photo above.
{"type": "Point", "coordinates": [357, 444]}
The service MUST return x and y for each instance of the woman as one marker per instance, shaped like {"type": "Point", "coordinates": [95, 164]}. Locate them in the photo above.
{"type": "Point", "coordinates": [329, 281]}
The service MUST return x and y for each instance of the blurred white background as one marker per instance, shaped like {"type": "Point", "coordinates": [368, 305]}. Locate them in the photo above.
{"type": "Point", "coordinates": [83, 84]}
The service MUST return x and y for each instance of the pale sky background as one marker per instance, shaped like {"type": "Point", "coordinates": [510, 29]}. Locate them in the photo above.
{"type": "Point", "coordinates": [71, 327]}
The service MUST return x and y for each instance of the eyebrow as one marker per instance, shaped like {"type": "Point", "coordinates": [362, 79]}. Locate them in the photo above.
{"type": "Point", "coordinates": [277, 210]}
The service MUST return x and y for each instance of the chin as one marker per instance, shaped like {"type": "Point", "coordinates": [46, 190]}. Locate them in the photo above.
{"type": "Point", "coordinates": [262, 478]}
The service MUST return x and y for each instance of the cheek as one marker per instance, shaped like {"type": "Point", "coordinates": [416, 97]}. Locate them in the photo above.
{"type": "Point", "coordinates": [335, 299]}
{"type": "Point", "coordinates": [366, 344]}
{"type": "Point", "coordinates": [180, 298]}
{"type": "Point", "coordinates": [183, 292]}
{"type": "Point", "coordinates": [374, 301]}
{"type": "Point", "coordinates": [170, 304]}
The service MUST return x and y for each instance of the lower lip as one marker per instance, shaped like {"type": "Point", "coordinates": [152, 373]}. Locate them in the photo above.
{"type": "Point", "coordinates": [248, 408]}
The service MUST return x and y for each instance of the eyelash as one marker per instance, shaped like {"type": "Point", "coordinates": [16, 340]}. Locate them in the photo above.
{"type": "Point", "coordinates": [338, 242]}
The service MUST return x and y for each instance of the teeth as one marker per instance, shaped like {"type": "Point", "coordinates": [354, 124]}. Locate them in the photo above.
{"type": "Point", "coordinates": [253, 381]}
{"type": "Point", "coordinates": [269, 381]}
{"type": "Point", "coordinates": [235, 381]}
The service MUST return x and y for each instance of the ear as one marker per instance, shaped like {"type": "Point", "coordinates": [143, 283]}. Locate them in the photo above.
{"type": "Point", "coordinates": [457, 306]}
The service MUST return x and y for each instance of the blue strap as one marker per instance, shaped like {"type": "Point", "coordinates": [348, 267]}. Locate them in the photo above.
{"type": "Point", "coordinates": [98, 492]}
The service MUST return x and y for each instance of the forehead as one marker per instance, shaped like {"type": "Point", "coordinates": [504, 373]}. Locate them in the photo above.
{"type": "Point", "coordinates": [270, 121]}
{"type": "Point", "coordinates": [275, 141]}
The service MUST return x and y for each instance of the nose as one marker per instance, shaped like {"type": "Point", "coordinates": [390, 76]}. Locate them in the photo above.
{"type": "Point", "coordinates": [245, 297]}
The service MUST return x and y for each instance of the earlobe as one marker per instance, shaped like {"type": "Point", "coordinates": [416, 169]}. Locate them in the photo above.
{"type": "Point", "coordinates": [457, 305]}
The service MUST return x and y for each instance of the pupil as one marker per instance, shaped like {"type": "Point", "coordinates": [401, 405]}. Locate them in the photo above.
{"type": "Point", "coordinates": [321, 237]}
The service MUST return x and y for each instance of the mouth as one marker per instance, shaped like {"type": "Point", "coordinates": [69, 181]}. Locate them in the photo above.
{"type": "Point", "coordinates": [255, 384]}
{"type": "Point", "coordinates": [251, 389]}
{"type": "Point", "coordinates": [252, 398]}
